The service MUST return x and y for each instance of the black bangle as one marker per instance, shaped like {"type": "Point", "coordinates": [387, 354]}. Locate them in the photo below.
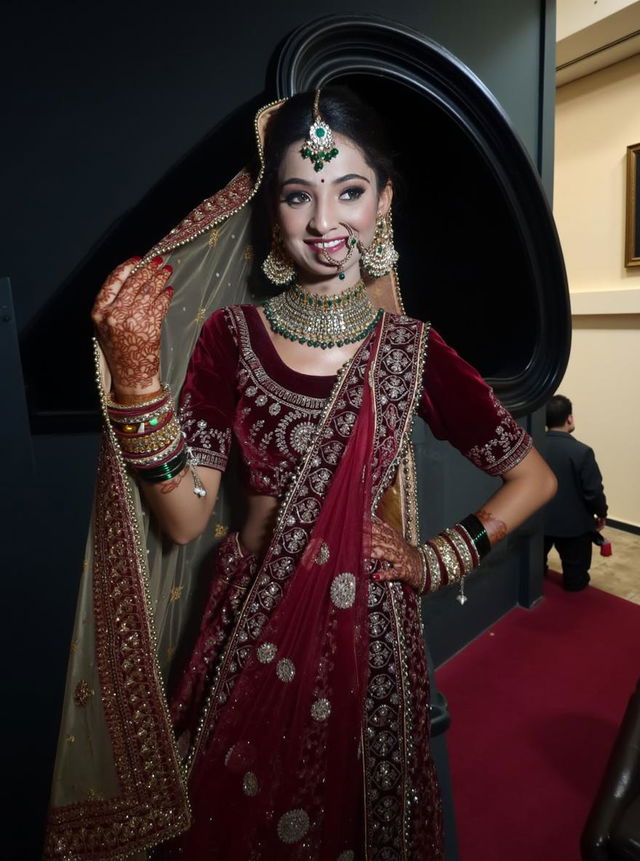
{"type": "Point", "coordinates": [478, 534]}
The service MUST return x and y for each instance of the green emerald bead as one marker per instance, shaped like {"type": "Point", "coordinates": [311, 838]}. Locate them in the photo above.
{"type": "Point", "coordinates": [341, 276]}
{"type": "Point", "coordinates": [302, 340]}
{"type": "Point", "coordinates": [334, 152]}
{"type": "Point", "coordinates": [320, 132]}
{"type": "Point", "coordinates": [339, 343]}
{"type": "Point", "coordinates": [153, 422]}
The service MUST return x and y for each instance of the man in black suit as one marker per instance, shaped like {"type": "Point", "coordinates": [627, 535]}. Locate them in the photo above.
{"type": "Point", "coordinates": [580, 506]}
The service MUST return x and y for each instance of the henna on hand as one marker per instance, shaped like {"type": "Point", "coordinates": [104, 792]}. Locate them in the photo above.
{"type": "Point", "coordinates": [128, 314]}
{"type": "Point", "coordinates": [403, 560]}
{"type": "Point", "coordinates": [496, 529]}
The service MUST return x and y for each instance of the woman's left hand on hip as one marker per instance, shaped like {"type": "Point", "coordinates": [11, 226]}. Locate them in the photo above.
{"type": "Point", "coordinates": [399, 560]}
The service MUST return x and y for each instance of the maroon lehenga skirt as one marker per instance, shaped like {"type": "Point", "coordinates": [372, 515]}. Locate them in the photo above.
{"type": "Point", "coordinates": [394, 786]}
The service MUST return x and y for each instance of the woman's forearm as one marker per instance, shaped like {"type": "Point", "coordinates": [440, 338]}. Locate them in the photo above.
{"type": "Point", "coordinates": [525, 489]}
{"type": "Point", "coordinates": [181, 513]}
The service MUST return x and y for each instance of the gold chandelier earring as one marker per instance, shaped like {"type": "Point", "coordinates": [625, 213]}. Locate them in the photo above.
{"type": "Point", "coordinates": [278, 266]}
{"type": "Point", "coordinates": [380, 257]}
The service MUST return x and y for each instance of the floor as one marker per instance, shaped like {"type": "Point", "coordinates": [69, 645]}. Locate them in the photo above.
{"type": "Point", "coordinates": [619, 573]}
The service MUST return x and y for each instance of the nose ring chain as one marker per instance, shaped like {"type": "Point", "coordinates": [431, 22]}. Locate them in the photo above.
{"type": "Point", "coordinates": [352, 244]}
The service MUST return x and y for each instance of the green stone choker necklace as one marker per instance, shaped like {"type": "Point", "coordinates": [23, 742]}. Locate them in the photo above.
{"type": "Point", "coordinates": [322, 321]}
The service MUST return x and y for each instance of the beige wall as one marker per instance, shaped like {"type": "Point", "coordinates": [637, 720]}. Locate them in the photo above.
{"type": "Point", "coordinates": [574, 15]}
{"type": "Point", "coordinates": [597, 117]}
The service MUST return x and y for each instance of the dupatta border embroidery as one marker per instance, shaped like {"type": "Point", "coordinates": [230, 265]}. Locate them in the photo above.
{"type": "Point", "coordinates": [141, 735]}
{"type": "Point", "coordinates": [388, 760]}
{"type": "Point", "coordinates": [153, 803]}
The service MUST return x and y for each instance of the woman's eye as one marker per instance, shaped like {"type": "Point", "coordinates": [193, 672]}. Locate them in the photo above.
{"type": "Point", "coordinates": [295, 198]}
{"type": "Point", "coordinates": [352, 193]}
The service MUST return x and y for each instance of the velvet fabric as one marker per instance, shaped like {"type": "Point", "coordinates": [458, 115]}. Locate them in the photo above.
{"type": "Point", "coordinates": [304, 704]}
{"type": "Point", "coordinates": [237, 380]}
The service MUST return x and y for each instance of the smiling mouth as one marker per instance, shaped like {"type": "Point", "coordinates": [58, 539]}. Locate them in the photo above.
{"type": "Point", "coordinates": [326, 245]}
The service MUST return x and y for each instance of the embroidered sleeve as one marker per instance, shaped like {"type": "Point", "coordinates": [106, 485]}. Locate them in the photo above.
{"type": "Point", "coordinates": [460, 407]}
{"type": "Point", "coordinates": [208, 397]}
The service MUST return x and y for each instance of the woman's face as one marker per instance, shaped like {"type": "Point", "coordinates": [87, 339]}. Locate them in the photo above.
{"type": "Point", "coordinates": [312, 209]}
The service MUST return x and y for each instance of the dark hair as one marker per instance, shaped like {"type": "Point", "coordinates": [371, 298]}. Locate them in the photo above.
{"type": "Point", "coordinates": [558, 411]}
{"type": "Point", "coordinates": [345, 113]}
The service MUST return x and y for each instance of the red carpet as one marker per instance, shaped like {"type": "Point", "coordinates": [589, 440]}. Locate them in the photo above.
{"type": "Point", "coordinates": [536, 703]}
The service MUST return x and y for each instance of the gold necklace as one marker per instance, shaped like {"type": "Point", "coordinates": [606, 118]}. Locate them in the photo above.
{"type": "Point", "coordinates": [322, 321]}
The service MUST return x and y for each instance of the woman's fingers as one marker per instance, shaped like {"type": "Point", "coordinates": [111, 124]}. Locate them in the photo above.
{"type": "Point", "coordinates": [398, 560]}
{"type": "Point", "coordinates": [156, 282]}
{"type": "Point", "coordinates": [143, 280]}
{"type": "Point", "coordinates": [112, 287]}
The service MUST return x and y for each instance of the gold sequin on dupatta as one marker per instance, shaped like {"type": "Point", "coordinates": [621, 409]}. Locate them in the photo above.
{"type": "Point", "coordinates": [343, 590]}
{"type": "Point", "coordinates": [82, 693]}
{"type": "Point", "coordinates": [323, 554]}
{"type": "Point", "coordinates": [250, 785]}
{"type": "Point", "coordinates": [321, 709]}
{"type": "Point", "coordinates": [266, 652]}
{"type": "Point", "coordinates": [293, 825]}
{"type": "Point", "coordinates": [285, 670]}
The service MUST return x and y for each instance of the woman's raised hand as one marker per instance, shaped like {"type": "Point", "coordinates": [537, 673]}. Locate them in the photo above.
{"type": "Point", "coordinates": [403, 562]}
{"type": "Point", "coordinates": [128, 314]}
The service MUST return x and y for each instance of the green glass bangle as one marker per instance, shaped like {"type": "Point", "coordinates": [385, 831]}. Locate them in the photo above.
{"type": "Point", "coordinates": [478, 534]}
{"type": "Point", "coordinates": [165, 471]}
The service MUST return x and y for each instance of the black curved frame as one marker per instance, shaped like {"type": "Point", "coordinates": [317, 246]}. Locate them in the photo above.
{"type": "Point", "coordinates": [336, 46]}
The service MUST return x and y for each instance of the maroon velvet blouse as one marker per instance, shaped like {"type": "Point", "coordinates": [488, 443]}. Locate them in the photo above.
{"type": "Point", "coordinates": [238, 386]}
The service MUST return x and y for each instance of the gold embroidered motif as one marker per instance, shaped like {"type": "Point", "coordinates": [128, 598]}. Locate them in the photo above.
{"type": "Point", "coordinates": [176, 593]}
{"type": "Point", "coordinates": [285, 670]}
{"type": "Point", "coordinates": [200, 316]}
{"type": "Point", "coordinates": [250, 785]}
{"type": "Point", "coordinates": [266, 652]}
{"type": "Point", "coordinates": [73, 645]}
{"type": "Point", "coordinates": [293, 825]}
{"type": "Point", "coordinates": [343, 590]}
{"type": "Point", "coordinates": [322, 557]}
{"type": "Point", "coordinates": [249, 253]}
{"type": "Point", "coordinates": [321, 709]}
{"type": "Point", "coordinates": [220, 530]}
{"type": "Point", "coordinates": [82, 693]}
{"type": "Point", "coordinates": [213, 237]}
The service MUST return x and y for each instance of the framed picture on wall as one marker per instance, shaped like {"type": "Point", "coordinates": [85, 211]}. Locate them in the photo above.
{"type": "Point", "coordinates": [632, 246]}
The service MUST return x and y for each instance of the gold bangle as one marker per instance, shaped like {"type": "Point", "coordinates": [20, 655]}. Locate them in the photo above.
{"type": "Point", "coordinates": [451, 564]}
{"type": "Point", "coordinates": [433, 564]}
{"type": "Point", "coordinates": [144, 400]}
{"type": "Point", "coordinates": [463, 551]}
{"type": "Point", "coordinates": [153, 441]}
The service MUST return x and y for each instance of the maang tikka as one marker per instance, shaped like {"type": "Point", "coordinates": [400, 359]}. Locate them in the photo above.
{"type": "Point", "coordinates": [319, 146]}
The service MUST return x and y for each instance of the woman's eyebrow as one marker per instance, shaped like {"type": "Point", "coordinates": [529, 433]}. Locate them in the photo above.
{"type": "Point", "coordinates": [349, 176]}
{"type": "Point", "coordinates": [294, 180]}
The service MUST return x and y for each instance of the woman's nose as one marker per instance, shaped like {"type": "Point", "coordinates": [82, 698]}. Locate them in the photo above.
{"type": "Point", "coordinates": [322, 218]}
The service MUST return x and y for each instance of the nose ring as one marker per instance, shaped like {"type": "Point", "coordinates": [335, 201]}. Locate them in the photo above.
{"type": "Point", "coordinates": [352, 244]}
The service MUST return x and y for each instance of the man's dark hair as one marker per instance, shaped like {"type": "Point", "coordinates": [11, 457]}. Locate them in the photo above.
{"type": "Point", "coordinates": [558, 411]}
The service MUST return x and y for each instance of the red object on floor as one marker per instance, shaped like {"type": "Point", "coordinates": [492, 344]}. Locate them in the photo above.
{"type": "Point", "coordinates": [535, 706]}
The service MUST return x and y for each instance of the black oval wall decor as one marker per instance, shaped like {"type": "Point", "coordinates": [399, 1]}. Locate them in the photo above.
{"type": "Point", "coordinates": [480, 255]}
